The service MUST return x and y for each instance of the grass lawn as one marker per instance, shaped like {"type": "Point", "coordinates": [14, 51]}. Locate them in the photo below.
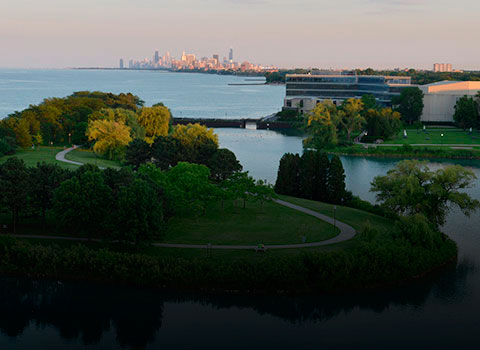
{"type": "Point", "coordinates": [274, 224]}
{"type": "Point", "coordinates": [89, 157]}
{"type": "Point", "coordinates": [433, 136]}
{"type": "Point", "coordinates": [44, 154]}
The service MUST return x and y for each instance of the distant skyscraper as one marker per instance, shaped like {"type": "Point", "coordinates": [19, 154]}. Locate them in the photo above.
{"type": "Point", "coordinates": [156, 58]}
{"type": "Point", "coordinates": [230, 55]}
{"type": "Point", "coordinates": [121, 63]}
{"type": "Point", "coordinates": [442, 67]}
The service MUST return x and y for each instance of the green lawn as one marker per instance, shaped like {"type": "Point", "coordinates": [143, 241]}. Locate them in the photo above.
{"type": "Point", "coordinates": [47, 155]}
{"type": "Point", "coordinates": [89, 157]}
{"type": "Point", "coordinates": [44, 154]}
{"type": "Point", "coordinates": [433, 136]}
{"type": "Point", "coordinates": [274, 224]}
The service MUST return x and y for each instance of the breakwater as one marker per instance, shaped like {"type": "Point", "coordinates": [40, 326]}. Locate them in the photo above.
{"type": "Point", "coordinates": [246, 123]}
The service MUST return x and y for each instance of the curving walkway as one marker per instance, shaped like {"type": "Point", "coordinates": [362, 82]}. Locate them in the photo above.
{"type": "Point", "coordinates": [347, 232]}
{"type": "Point", "coordinates": [60, 156]}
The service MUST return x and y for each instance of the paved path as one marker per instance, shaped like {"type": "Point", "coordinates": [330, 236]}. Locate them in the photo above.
{"type": "Point", "coordinates": [60, 156]}
{"type": "Point", "coordinates": [346, 232]}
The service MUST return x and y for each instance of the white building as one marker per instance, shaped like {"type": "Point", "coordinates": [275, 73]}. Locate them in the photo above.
{"type": "Point", "coordinates": [440, 99]}
{"type": "Point", "coordinates": [442, 67]}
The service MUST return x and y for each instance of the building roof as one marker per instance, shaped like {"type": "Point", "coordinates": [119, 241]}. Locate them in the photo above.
{"type": "Point", "coordinates": [449, 87]}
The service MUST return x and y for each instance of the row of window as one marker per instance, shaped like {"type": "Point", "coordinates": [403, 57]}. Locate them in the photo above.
{"type": "Point", "coordinates": [349, 79]}
{"type": "Point", "coordinates": [353, 87]}
{"type": "Point", "coordinates": [339, 94]}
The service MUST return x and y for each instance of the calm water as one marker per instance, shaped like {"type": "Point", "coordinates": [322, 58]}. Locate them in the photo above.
{"type": "Point", "coordinates": [441, 311]}
{"type": "Point", "coordinates": [186, 94]}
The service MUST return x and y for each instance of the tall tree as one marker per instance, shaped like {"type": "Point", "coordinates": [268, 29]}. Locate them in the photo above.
{"type": "Point", "coordinates": [466, 113]}
{"type": "Point", "coordinates": [288, 175]}
{"type": "Point", "coordinates": [351, 119]}
{"type": "Point", "coordinates": [145, 222]}
{"type": "Point", "coordinates": [308, 174]}
{"type": "Point", "coordinates": [223, 164]}
{"type": "Point", "coordinates": [155, 121]}
{"type": "Point", "coordinates": [14, 187]}
{"type": "Point", "coordinates": [45, 179]}
{"type": "Point", "coordinates": [336, 181]}
{"type": "Point", "coordinates": [409, 104]}
{"type": "Point", "coordinates": [83, 203]}
{"type": "Point", "coordinates": [22, 133]}
{"type": "Point", "coordinates": [321, 190]}
{"type": "Point", "coordinates": [138, 152]}
{"type": "Point", "coordinates": [412, 188]}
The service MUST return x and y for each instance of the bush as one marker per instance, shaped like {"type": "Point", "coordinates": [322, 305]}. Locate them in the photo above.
{"type": "Point", "coordinates": [5, 147]}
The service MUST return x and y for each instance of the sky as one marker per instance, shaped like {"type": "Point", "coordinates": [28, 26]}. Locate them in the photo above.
{"type": "Point", "coordinates": [286, 33]}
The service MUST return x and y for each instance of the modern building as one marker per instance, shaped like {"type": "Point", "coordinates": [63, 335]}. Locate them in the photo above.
{"type": "Point", "coordinates": [121, 63]}
{"type": "Point", "coordinates": [156, 57]}
{"type": "Point", "coordinates": [230, 55]}
{"type": "Point", "coordinates": [442, 67]}
{"type": "Point", "coordinates": [440, 99]}
{"type": "Point", "coordinates": [304, 91]}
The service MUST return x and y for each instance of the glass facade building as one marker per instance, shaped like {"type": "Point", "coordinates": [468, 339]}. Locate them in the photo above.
{"type": "Point", "coordinates": [310, 89]}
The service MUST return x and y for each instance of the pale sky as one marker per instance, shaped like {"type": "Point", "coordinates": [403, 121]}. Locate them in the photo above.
{"type": "Point", "coordinates": [286, 33]}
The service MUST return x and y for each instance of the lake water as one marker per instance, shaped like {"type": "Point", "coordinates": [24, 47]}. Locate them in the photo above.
{"type": "Point", "coordinates": [186, 94]}
{"type": "Point", "coordinates": [441, 311]}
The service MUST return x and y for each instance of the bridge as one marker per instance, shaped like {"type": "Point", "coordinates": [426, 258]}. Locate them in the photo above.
{"type": "Point", "coordinates": [266, 123]}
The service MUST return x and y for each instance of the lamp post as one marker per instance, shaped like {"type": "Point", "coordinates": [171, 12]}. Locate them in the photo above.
{"type": "Point", "coordinates": [334, 216]}
{"type": "Point", "coordinates": [69, 138]}
{"type": "Point", "coordinates": [441, 139]}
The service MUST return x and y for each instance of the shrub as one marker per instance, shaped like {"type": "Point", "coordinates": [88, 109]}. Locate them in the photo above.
{"type": "Point", "coordinates": [418, 231]}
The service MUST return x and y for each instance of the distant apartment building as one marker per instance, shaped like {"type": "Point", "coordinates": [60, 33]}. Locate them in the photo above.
{"type": "Point", "coordinates": [121, 63]}
{"type": "Point", "coordinates": [442, 67]}
{"type": "Point", "coordinates": [230, 55]}
{"type": "Point", "coordinates": [440, 99]}
{"type": "Point", "coordinates": [304, 91]}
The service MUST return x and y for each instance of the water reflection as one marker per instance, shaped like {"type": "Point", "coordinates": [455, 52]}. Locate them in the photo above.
{"type": "Point", "coordinates": [84, 313]}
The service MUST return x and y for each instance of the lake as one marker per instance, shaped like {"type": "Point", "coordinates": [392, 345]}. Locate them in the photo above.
{"type": "Point", "coordinates": [440, 311]}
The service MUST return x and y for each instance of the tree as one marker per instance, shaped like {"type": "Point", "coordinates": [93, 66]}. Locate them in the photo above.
{"type": "Point", "coordinates": [336, 181]}
{"type": "Point", "coordinates": [111, 137]}
{"type": "Point", "coordinates": [155, 121]}
{"type": "Point", "coordinates": [22, 133]}
{"type": "Point", "coordinates": [288, 175]}
{"type": "Point", "coordinates": [307, 174]}
{"type": "Point", "coordinates": [321, 191]}
{"type": "Point", "coordinates": [262, 192]}
{"type": "Point", "coordinates": [79, 134]}
{"type": "Point", "coordinates": [466, 113]}
{"type": "Point", "coordinates": [409, 104]}
{"type": "Point", "coordinates": [383, 123]}
{"type": "Point", "coordinates": [83, 203]}
{"type": "Point", "coordinates": [412, 188]}
{"type": "Point", "coordinates": [322, 125]}
{"type": "Point", "coordinates": [167, 152]}
{"type": "Point", "coordinates": [138, 152]}
{"type": "Point", "coordinates": [37, 140]}
{"type": "Point", "coordinates": [45, 179]}
{"type": "Point", "coordinates": [241, 185]}
{"type": "Point", "coordinates": [223, 164]}
{"type": "Point", "coordinates": [369, 102]}
{"type": "Point", "coordinates": [194, 135]}
{"type": "Point", "coordinates": [14, 187]}
{"type": "Point", "coordinates": [138, 216]}
{"type": "Point", "coordinates": [351, 118]}
{"type": "Point", "coordinates": [188, 187]}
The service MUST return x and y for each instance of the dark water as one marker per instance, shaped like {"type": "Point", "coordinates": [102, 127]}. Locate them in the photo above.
{"type": "Point", "coordinates": [441, 311]}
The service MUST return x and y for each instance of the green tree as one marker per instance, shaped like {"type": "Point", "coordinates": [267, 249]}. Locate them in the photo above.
{"type": "Point", "coordinates": [412, 188]}
{"type": "Point", "coordinates": [288, 175]}
{"type": "Point", "coordinates": [336, 181]}
{"type": "Point", "coordinates": [383, 123]}
{"type": "Point", "coordinates": [241, 185]}
{"type": "Point", "coordinates": [45, 179]}
{"type": "Point", "coordinates": [189, 188]}
{"type": "Point", "coordinates": [262, 192]}
{"type": "Point", "coordinates": [466, 112]}
{"type": "Point", "coordinates": [351, 119]}
{"type": "Point", "coordinates": [409, 104]}
{"type": "Point", "coordinates": [111, 137]}
{"type": "Point", "coordinates": [369, 102]}
{"type": "Point", "coordinates": [83, 203]}
{"type": "Point", "coordinates": [138, 152]}
{"type": "Point", "coordinates": [14, 187]}
{"type": "Point", "coordinates": [22, 133]}
{"type": "Point", "coordinates": [223, 164]}
{"type": "Point", "coordinates": [321, 190]}
{"type": "Point", "coordinates": [138, 217]}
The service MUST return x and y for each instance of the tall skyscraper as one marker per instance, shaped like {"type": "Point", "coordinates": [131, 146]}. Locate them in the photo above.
{"type": "Point", "coordinates": [156, 58]}
{"type": "Point", "coordinates": [121, 63]}
{"type": "Point", "coordinates": [442, 67]}
{"type": "Point", "coordinates": [230, 55]}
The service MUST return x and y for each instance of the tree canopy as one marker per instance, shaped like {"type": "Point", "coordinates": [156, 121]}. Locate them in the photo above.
{"type": "Point", "coordinates": [466, 112]}
{"type": "Point", "coordinates": [409, 104]}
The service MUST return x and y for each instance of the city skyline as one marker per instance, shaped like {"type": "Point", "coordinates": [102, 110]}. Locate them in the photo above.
{"type": "Point", "coordinates": [344, 34]}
